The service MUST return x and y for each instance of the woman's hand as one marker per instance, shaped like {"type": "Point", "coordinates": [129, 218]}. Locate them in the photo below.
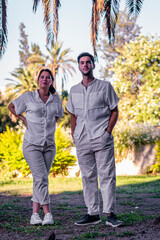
{"type": "Point", "coordinates": [25, 122]}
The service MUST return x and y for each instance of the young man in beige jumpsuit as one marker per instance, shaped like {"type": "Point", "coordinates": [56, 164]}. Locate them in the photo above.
{"type": "Point", "coordinates": [94, 112]}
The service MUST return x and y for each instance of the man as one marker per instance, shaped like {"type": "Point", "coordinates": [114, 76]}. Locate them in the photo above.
{"type": "Point", "coordinates": [94, 113]}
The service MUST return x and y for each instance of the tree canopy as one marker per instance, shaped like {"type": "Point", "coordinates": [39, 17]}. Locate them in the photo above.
{"type": "Point", "coordinates": [101, 9]}
{"type": "Point", "coordinates": [137, 74]}
{"type": "Point", "coordinates": [126, 30]}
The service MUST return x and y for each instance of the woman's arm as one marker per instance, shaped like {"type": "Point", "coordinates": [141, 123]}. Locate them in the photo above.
{"type": "Point", "coordinates": [20, 116]}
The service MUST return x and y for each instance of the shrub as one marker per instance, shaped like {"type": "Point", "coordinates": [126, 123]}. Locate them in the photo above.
{"type": "Point", "coordinates": [63, 158]}
{"type": "Point", "coordinates": [155, 168]}
{"type": "Point", "coordinates": [12, 161]}
{"type": "Point", "coordinates": [128, 136]}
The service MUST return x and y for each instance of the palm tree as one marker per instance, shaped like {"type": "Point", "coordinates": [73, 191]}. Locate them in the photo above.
{"type": "Point", "coordinates": [108, 9]}
{"type": "Point", "coordinates": [23, 82]}
{"type": "Point", "coordinates": [57, 60]}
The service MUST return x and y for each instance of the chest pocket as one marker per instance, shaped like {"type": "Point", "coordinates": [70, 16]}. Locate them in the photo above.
{"type": "Point", "coordinates": [77, 100]}
{"type": "Point", "coordinates": [96, 100]}
{"type": "Point", "coordinates": [53, 110]}
{"type": "Point", "coordinates": [34, 112]}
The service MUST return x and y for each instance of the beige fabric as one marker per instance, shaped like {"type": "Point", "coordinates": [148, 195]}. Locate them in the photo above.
{"type": "Point", "coordinates": [92, 107]}
{"type": "Point", "coordinates": [96, 158]}
{"type": "Point", "coordinates": [40, 116]}
{"type": "Point", "coordinates": [39, 159]}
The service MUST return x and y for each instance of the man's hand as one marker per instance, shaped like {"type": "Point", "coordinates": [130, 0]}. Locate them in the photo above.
{"type": "Point", "coordinates": [73, 123]}
{"type": "Point", "coordinates": [113, 120]}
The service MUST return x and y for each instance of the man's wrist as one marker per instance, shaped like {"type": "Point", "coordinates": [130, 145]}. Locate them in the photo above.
{"type": "Point", "coordinates": [109, 130]}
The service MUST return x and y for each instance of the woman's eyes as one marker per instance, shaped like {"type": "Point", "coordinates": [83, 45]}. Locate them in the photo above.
{"type": "Point", "coordinates": [48, 77]}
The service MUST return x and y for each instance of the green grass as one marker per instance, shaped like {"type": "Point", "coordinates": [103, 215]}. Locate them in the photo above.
{"type": "Point", "coordinates": [125, 184]}
{"type": "Point", "coordinates": [133, 217]}
{"type": "Point", "coordinates": [130, 193]}
{"type": "Point", "coordinates": [89, 235]}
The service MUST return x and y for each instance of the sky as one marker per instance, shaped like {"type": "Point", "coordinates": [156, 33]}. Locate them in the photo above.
{"type": "Point", "coordinates": [74, 31]}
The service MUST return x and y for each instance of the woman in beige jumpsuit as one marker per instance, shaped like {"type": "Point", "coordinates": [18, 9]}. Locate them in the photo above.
{"type": "Point", "coordinates": [42, 107]}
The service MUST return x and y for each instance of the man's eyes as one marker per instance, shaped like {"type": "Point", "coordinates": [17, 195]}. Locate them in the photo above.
{"type": "Point", "coordinates": [88, 62]}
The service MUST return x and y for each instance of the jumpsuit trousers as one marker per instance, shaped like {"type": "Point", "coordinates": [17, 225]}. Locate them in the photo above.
{"type": "Point", "coordinates": [39, 159]}
{"type": "Point", "coordinates": [96, 158]}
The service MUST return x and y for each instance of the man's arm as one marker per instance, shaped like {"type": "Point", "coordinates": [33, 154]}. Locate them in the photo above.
{"type": "Point", "coordinates": [73, 123]}
{"type": "Point", "coordinates": [113, 119]}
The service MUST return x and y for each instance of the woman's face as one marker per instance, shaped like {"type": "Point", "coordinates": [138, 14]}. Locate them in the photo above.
{"type": "Point", "coordinates": [45, 80]}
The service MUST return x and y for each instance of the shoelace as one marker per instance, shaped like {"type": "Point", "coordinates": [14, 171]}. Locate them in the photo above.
{"type": "Point", "coordinates": [47, 216]}
{"type": "Point", "coordinates": [37, 216]}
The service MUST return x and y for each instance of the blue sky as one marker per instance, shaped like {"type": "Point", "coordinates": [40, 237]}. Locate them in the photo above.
{"type": "Point", "coordinates": [74, 30]}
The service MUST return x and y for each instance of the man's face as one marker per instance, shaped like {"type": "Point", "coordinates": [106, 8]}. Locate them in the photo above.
{"type": "Point", "coordinates": [86, 66]}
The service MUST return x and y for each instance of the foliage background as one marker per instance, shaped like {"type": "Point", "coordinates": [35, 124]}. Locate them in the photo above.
{"type": "Point", "coordinates": [13, 164]}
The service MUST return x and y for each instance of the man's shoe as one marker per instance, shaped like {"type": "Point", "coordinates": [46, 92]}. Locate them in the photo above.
{"type": "Point", "coordinates": [35, 219]}
{"type": "Point", "coordinates": [48, 219]}
{"type": "Point", "coordinates": [88, 220]}
{"type": "Point", "coordinates": [113, 221]}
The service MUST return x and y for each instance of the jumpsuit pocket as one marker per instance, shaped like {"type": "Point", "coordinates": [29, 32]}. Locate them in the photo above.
{"type": "Point", "coordinates": [96, 100]}
{"type": "Point", "coordinates": [107, 135]}
{"type": "Point", "coordinates": [77, 99]}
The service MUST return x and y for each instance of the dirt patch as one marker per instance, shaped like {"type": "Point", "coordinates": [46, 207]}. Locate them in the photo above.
{"type": "Point", "coordinates": [139, 211]}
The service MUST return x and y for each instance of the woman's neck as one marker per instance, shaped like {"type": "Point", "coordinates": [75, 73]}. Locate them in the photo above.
{"type": "Point", "coordinates": [43, 92]}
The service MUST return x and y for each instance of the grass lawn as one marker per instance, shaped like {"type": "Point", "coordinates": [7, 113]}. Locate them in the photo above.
{"type": "Point", "coordinates": [138, 199]}
{"type": "Point", "coordinates": [57, 185]}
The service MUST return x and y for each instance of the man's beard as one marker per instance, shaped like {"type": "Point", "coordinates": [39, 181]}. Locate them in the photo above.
{"type": "Point", "coordinates": [87, 74]}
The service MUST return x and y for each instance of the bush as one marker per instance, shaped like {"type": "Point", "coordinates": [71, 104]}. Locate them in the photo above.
{"type": "Point", "coordinates": [128, 136]}
{"type": "Point", "coordinates": [155, 168]}
{"type": "Point", "coordinates": [12, 161]}
{"type": "Point", "coordinates": [63, 158]}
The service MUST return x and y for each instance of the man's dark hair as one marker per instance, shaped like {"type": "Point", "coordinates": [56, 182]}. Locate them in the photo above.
{"type": "Point", "coordinates": [85, 54]}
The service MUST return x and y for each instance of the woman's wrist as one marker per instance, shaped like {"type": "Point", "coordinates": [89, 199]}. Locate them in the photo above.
{"type": "Point", "coordinates": [21, 117]}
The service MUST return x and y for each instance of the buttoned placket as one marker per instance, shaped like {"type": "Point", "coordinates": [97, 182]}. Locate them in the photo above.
{"type": "Point", "coordinates": [86, 92]}
{"type": "Point", "coordinates": [44, 140]}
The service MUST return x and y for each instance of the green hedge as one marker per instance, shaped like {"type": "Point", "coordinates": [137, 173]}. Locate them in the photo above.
{"type": "Point", "coordinates": [155, 168]}
{"type": "Point", "coordinates": [128, 136]}
{"type": "Point", "coordinates": [12, 162]}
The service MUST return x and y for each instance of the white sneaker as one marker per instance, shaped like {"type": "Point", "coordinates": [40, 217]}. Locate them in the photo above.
{"type": "Point", "coordinates": [35, 219]}
{"type": "Point", "coordinates": [48, 219]}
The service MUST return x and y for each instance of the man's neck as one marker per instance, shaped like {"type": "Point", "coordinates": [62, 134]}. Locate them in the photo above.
{"type": "Point", "coordinates": [86, 80]}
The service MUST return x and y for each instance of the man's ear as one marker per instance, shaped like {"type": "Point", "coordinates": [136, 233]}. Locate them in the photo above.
{"type": "Point", "coordinates": [94, 66]}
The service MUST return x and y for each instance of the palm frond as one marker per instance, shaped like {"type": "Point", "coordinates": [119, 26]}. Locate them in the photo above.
{"type": "Point", "coordinates": [56, 6]}
{"type": "Point", "coordinates": [134, 7]}
{"type": "Point", "coordinates": [35, 5]}
{"type": "Point", "coordinates": [3, 26]}
{"type": "Point", "coordinates": [111, 10]}
{"type": "Point", "coordinates": [51, 19]}
{"type": "Point", "coordinates": [94, 23]}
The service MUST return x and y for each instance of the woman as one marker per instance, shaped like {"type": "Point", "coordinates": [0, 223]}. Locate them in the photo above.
{"type": "Point", "coordinates": [42, 107]}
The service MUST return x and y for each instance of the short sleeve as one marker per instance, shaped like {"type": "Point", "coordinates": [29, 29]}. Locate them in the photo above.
{"type": "Point", "coordinates": [19, 104]}
{"type": "Point", "coordinates": [69, 105]}
{"type": "Point", "coordinates": [112, 97]}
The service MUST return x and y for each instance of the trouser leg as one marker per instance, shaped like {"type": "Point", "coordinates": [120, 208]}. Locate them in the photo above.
{"type": "Point", "coordinates": [88, 168]}
{"type": "Point", "coordinates": [49, 154]}
{"type": "Point", "coordinates": [106, 171]}
{"type": "Point", "coordinates": [87, 164]}
{"type": "Point", "coordinates": [36, 160]}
